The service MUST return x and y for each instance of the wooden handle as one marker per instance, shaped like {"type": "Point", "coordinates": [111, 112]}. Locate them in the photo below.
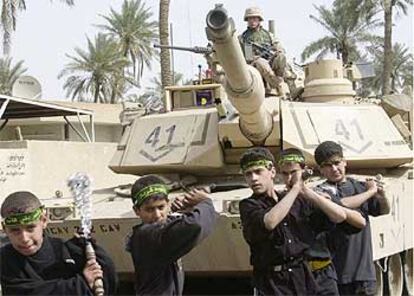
{"type": "Point", "coordinates": [98, 287]}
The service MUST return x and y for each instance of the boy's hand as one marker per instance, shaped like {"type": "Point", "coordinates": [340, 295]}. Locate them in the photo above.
{"type": "Point", "coordinates": [297, 180]}
{"type": "Point", "coordinates": [194, 196]}
{"type": "Point", "coordinates": [92, 272]}
{"type": "Point", "coordinates": [178, 204]}
{"type": "Point", "coordinates": [371, 186]}
{"type": "Point", "coordinates": [380, 185]}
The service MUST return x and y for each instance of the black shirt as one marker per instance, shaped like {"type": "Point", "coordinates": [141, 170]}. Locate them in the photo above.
{"type": "Point", "coordinates": [156, 247]}
{"type": "Point", "coordinates": [320, 249]}
{"type": "Point", "coordinates": [287, 242]}
{"type": "Point", "coordinates": [56, 269]}
{"type": "Point", "coordinates": [352, 251]}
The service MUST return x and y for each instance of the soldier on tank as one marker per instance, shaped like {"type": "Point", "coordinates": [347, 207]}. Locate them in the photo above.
{"type": "Point", "coordinates": [255, 39]}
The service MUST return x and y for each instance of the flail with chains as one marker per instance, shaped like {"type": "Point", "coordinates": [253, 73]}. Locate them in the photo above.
{"type": "Point", "coordinates": [80, 186]}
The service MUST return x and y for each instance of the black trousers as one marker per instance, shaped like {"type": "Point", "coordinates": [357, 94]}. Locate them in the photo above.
{"type": "Point", "coordinates": [367, 288]}
{"type": "Point", "coordinates": [295, 280]}
{"type": "Point", "coordinates": [326, 280]}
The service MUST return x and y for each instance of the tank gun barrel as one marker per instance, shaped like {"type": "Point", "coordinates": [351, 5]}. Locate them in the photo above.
{"type": "Point", "coordinates": [243, 82]}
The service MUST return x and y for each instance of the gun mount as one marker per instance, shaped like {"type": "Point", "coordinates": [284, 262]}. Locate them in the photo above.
{"type": "Point", "coordinates": [214, 73]}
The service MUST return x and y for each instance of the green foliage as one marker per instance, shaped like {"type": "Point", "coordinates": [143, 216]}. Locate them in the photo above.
{"type": "Point", "coordinates": [103, 72]}
{"type": "Point", "coordinates": [9, 74]}
{"type": "Point", "coordinates": [346, 31]}
{"type": "Point", "coordinates": [135, 33]}
{"type": "Point", "coordinates": [387, 9]}
{"type": "Point", "coordinates": [97, 74]}
{"type": "Point", "coordinates": [402, 67]}
{"type": "Point", "coordinates": [153, 95]}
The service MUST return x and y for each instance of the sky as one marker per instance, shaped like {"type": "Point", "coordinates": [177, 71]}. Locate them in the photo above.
{"type": "Point", "coordinates": [47, 31]}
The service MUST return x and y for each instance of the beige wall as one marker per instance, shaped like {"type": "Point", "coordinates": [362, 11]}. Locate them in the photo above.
{"type": "Point", "coordinates": [43, 167]}
{"type": "Point", "coordinates": [55, 131]}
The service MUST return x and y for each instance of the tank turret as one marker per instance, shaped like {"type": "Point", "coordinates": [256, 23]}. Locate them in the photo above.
{"type": "Point", "coordinates": [243, 84]}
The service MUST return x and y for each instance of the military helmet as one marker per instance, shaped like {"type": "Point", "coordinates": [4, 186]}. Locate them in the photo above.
{"type": "Point", "coordinates": [252, 12]}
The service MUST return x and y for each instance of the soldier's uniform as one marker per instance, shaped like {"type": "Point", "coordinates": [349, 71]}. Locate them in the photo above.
{"type": "Point", "coordinates": [275, 70]}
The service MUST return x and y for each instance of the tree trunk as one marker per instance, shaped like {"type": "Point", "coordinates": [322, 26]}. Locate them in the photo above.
{"type": "Point", "coordinates": [166, 77]}
{"type": "Point", "coordinates": [345, 56]}
{"type": "Point", "coordinates": [386, 78]}
{"type": "Point", "coordinates": [96, 94]}
{"type": "Point", "coordinates": [114, 91]}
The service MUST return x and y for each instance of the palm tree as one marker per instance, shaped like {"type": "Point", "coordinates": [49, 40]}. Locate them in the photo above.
{"type": "Point", "coordinates": [166, 77]}
{"type": "Point", "coordinates": [134, 32]}
{"type": "Point", "coordinates": [371, 7]}
{"type": "Point", "coordinates": [388, 6]}
{"type": "Point", "coordinates": [97, 72]}
{"type": "Point", "coordinates": [401, 68]}
{"type": "Point", "coordinates": [153, 95]}
{"type": "Point", "coordinates": [345, 33]}
{"type": "Point", "coordinates": [9, 74]}
{"type": "Point", "coordinates": [9, 10]}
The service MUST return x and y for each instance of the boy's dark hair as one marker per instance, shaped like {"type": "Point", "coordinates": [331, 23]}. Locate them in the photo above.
{"type": "Point", "coordinates": [285, 154]}
{"type": "Point", "coordinates": [19, 202]}
{"type": "Point", "coordinates": [327, 150]}
{"type": "Point", "coordinates": [254, 154]}
{"type": "Point", "coordinates": [146, 181]}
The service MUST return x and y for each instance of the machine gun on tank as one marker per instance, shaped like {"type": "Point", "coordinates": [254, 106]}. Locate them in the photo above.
{"type": "Point", "coordinates": [214, 72]}
{"type": "Point", "coordinates": [195, 49]}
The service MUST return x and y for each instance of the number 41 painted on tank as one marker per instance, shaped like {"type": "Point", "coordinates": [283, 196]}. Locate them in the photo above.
{"type": "Point", "coordinates": [156, 144]}
{"type": "Point", "coordinates": [350, 134]}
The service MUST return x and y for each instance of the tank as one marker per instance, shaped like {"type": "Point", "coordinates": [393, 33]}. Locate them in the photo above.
{"type": "Point", "coordinates": [205, 128]}
{"type": "Point", "coordinates": [192, 144]}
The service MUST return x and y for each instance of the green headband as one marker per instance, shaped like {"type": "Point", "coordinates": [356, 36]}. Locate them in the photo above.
{"type": "Point", "coordinates": [146, 192]}
{"type": "Point", "coordinates": [291, 158]}
{"type": "Point", "coordinates": [24, 218]}
{"type": "Point", "coordinates": [257, 163]}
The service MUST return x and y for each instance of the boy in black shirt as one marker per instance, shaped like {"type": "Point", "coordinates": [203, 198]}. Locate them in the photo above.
{"type": "Point", "coordinates": [352, 252]}
{"type": "Point", "coordinates": [35, 264]}
{"type": "Point", "coordinates": [319, 256]}
{"type": "Point", "coordinates": [157, 244]}
{"type": "Point", "coordinates": [280, 226]}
